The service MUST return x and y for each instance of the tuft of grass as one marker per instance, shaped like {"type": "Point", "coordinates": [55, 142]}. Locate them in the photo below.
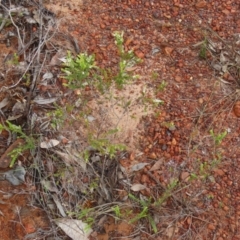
{"type": "Point", "coordinates": [144, 213]}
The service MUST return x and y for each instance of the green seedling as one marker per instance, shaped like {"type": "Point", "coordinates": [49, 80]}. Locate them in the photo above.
{"type": "Point", "coordinates": [7, 22]}
{"type": "Point", "coordinates": [218, 137]}
{"type": "Point", "coordinates": [220, 204]}
{"type": "Point", "coordinates": [93, 185]}
{"type": "Point", "coordinates": [210, 196]}
{"type": "Point", "coordinates": [145, 212]}
{"type": "Point", "coordinates": [154, 75]}
{"type": "Point", "coordinates": [127, 60]}
{"type": "Point", "coordinates": [162, 86]}
{"type": "Point", "coordinates": [167, 193]}
{"type": "Point", "coordinates": [14, 60]}
{"type": "Point", "coordinates": [86, 215]}
{"type": "Point", "coordinates": [169, 125]}
{"type": "Point", "coordinates": [57, 117]}
{"type": "Point", "coordinates": [29, 143]}
{"type": "Point", "coordinates": [204, 170]}
{"type": "Point", "coordinates": [79, 71]}
{"type": "Point", "coordinates": [149, 100]}
{"type": "Point", "coordinates": [105, 147]}
{"type": "Point", "coordinates": [117, 211]}
{"type": "Point", "coordinates": [118, 36]}
{"type": "Point", "coordinates": [193, 176]}
{"type": "Point", "coordinates": [147, 205]}
{"type": "Point", "coordinates": [203, 49]}
{"type": "Point", "coordinates": [27, 78]}
{"type": "Point", "coordinates": [86, 155]}
{"type": "Point", "coordinates": [104, 79]}
{"type": "Point", "coordinates": [82, 70]}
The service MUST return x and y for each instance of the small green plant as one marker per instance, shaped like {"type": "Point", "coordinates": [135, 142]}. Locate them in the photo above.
{"type": "Point", "coordinates": [154, 75]}
{"type": "Point", "coordinates": [169, 125]}
{"type": "Point", "coordinates": [167, 193]}
{"type": "Point", "coordinates": [86, 215]}
{"type": "Point", "coordinates": [117, 211]}
{"type": "Point", "coordinates": [27, 78]}
{"type": "Point", "coordinates": [93, 185]}
{"type": "Point", "coordinates": [148, 100]}
{"type": "Point", "coordinates": [210, 196]}
{"type": "Point", "coordinates": [145, 212]}
{"type": "Point", "coordinates": [127, 60]}
{"type": "Point", "coordinates": [218, 137]}
{"type": "Point", "coordinates": [220, 204]}
{"type": "Point", "coordinates": [79, 71]}
{"type": "Point", "coordinates": [82, 70]}
{"type": "Point", "coordinates": [204, 170]}
{"type": "Point", "coordinates": [14, 60]}
{"type": "Point", "coordinates": [193, 176]}
{"type": "Point", "coordinates": [104, 79]}
{"type": "Point", "coordinates": [5, 21]}
{"type": "Point", "coordinates": [104, 146]}
{"type": "Point", "coordinates": [29, 143]}
{"type": "Point", "coordinates": [57, 117]}
{"type": "Point", "coordinates": [147, 205]}
{"type": "Point", "coordinates": [162, 86]}
{"type": "Point", "coordinates": [203, 49]}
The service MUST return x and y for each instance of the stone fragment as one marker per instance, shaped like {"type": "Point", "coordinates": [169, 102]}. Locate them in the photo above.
{"type": "Point", "coordinates": [226, 208]}
{"type": "Point", "coordinates": [219, 172]}
{"type": "Point", "coordinates": [178, 78]}
{"type": "Point", "coordinates": [201, 4]}
{"type": "Point", "coordinates": [211, 226]}
{"type": "Point", "coordinates": [174, 142]}
{"type": "Point", "coordinates": [236, 109]}
{"type": "Point", "coordinates": [168, 50]}
{"type": "Point", "coordinates": [139, 54]}
{"type": "Point", "coordinates": [185, 176]}
{"type": "Point", "coordinates": [225, 11]}
{"type": "Point", "coordinates": [153, 155]}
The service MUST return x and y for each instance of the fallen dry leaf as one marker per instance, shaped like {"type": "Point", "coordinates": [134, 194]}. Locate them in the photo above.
{"type": "Point", "coordinates": [153, 155]}
{"type": "Point", "coordinates": [137, 187]}
{"type": "Point", "coordinates": [219, 172]}
{"type": "Point", "coordinates": [49, 144]}
{"type": "Point", "coordinates": [138, 167]}
{"type": "Point", "coordinates": [157, 165]}
{"type": "Point", "coordinates": [75, 229]}
{"type": "Point", "coordinates": [41, 100]}
{"type": "Point", "coordinates": [185, 176]}
{"type": "Point", "coordinates": [4, 103]}
{"type": "Point", "coordinates": [132, 156]}
{"type": "Point", "coordinates": [70, 158]}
